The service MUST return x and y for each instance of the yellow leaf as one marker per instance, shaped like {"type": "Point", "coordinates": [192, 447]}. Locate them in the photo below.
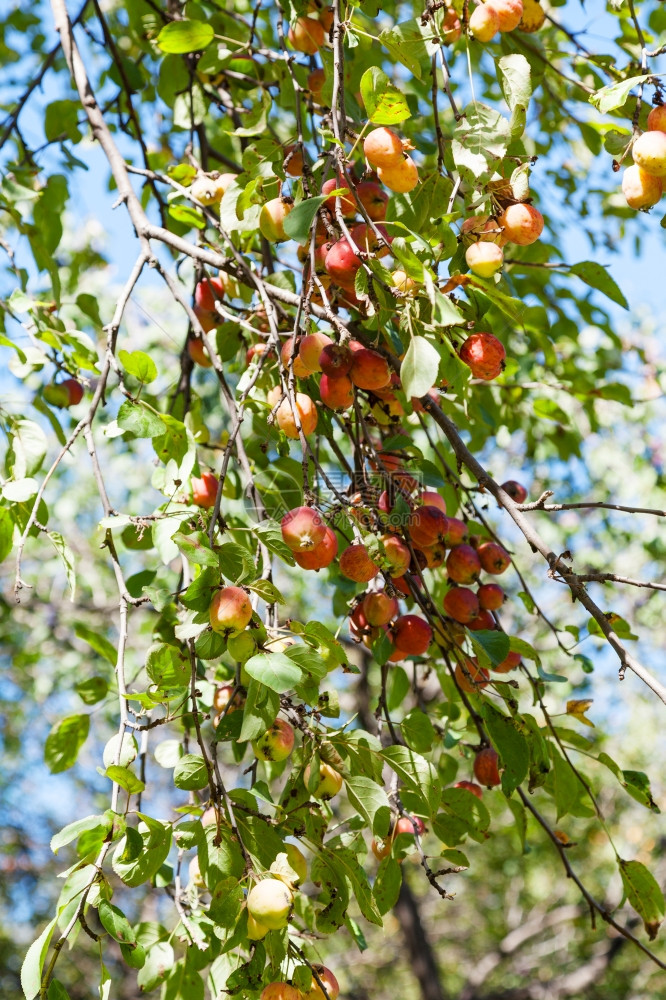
{"type": "Point", "coordinates": [578, 707]}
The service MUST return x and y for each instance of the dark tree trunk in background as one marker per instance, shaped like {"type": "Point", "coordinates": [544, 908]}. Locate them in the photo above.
{"type": "Point", "coordinates": [421, 956]}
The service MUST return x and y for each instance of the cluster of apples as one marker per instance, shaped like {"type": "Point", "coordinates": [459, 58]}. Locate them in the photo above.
{"type": "Point", "coordinates": [643, 181]}
{"type": "Point", "coordinates": [519, 223]}
{"type": "Point", "coordinates": [493, 16]}
{"type": "Point", "coordinates": [337, 261]}
{"type": "Point", "coordinates": [429, 540]}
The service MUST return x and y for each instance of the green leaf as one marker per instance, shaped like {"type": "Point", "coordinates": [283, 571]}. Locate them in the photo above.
{"type": "Point", "coordinates": [596, 276]}
{"type": "Point", "coordinates": [168, 752]}
{"type": "Point", "coordinates": [185, 36]}
{"type": "Point", "coordinates": [510, 743]}
{"type": "Point", "coordinates": [190, 772]}
{"type": "Point", "coordinates": [188, 216]}
{"type": "Point", "coordinates": [67, 559]}
{"type": "Point", "coordinates": [115, 923]}
{"type": "Point", "coordinates": [354, 872]}
{"type": "Point", "coordinates": [407, 43]}
{"type": "Point", "coordinates": [236, 562]}
{"type": "Point", "coordinates": [565, 783]}
{"type": "Point", "coordinates": [140, 421]}
{"type": "Point", "coordinates": [29, 445]}
{"type": "Point", "coordinates": [480, 141]}
{"type": "Point", "coordinates": [270, 533]}
{"type": "Point", "coordinates": [371, 801]}
{"type": "Point", "coordinates": [384, 103]}
{"type": "Point", "coordinates": [167, 666]}
{"type": "Point", "coordinates": [125, 778]}
{"type": "Point", "coordinates": [57, 991]}
{"type": "Point", "coordinates": [73, 830]}
{"type": "Point", "coordinates": [159, 962]}
{"type": "Point", "coordinates": [98, 642]}
{"type": "Point", "coordinates": [33, 963]}
{"type": "Point", "coordinates": [515, 80]}
{"type": "Point", "coordinates": [644, 894]}
{"type": "Point", "coordinates": [139, 365]}
{"type": "Point", "coordinates": [61, 121]}
{"type": "Point", "coordinates": [19, 490]}
{"type": "Point", "coordinates": [261, 708]}
{"type": "Point", "coordinates": [64, 742]}
{"type": "Point", "coordinates": [298, 223]}
{"type": "Point", "coordinates": [387, 885]}
{"type": "Point", "coordinates": [93, 690]}
{"type": "Point", "coordinates": [225, 904]}
{"type": "Point", "coordinates": [142, 851]}
{"type": "Point", "coordinates": [615, 95]}
{"type": "Point", "coordinates": [121, 749]}
{"type": "Point", "coordinates": [417, 773]}
{"type": "Point", "coordinates": [267, 591]}
{"type": "Point", "coordinates": [419, 368]}
{"type": "Point", "coordinates": [417, 731]}
{"type": "Point", "coordinates": [196, 548]}
{"type": "Point", "coordinates": [6, 533]}
{"type": "Point", "coordinates": [490, 647]}
{"type": "Point", "coordinates": [274, 670]}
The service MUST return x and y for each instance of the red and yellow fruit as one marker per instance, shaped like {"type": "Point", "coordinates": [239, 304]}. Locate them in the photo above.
{"type": "Point", "coordinates": [274, 745]}
{"type": "Point", "coordinates": [230, 609]}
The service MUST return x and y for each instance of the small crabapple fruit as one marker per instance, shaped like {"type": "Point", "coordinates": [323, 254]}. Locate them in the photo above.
{"type": "Point", "coordinates": [383, 147]}
{"type": "Point", "coordinates": [373, 199]}
{"type": "Point", "coordinates": [272, 216]}
{"type": "Point", "coordinates": [275, 745]}
{"type": "Point", "coordinates": [330, 781]}
{"type": "Point", "coordinates": [470, 786]}
{"type": "Point", "coordinates": [379, 608]}
{"type": "Point", "coordinates": [484, 259]}
{"type": "Point", "coordinates": [310, 349]}
{"type": "Point", "coordinates": [517, 492]}
{"type": "Point", "coordinates": [470, 676]}
{"type": "Point", "coordinates": [461, 604]}
{"type": "Point", "coordinates": [640, 189]}
{"type": "Point", "coordinates": [302, 529]}
{"type": "Point", "coordinates": [491, 597]}
{"type": "Point", "coordinates": [412, 635]}
{"type": "Point", "coordinates": [369, 370]}
{"type": "Point", "coordinates": [523, 224]}
{"type": "Point", "coordinates": [463, 564]}
{"type": "Point", "coordinates": [402, 177]}
{"type": "Point", "coordinates": [656, 120]}
{"type": "Point", "coordinates": [347, 200]}
{"type": "Point", "coordinates": [510, 663]}
{"type": "Point", "coordinates": [230, 609]}
{"type": "Point", "coordinates": [279, 991]}
{"type": "Point", "coordinates": [204, 489]}
{"type": "Point", "coordinates": [322, 555]}
{"type": "Point", "coordinates": [306, 35]}
{"type": "Point", "coordinates": [336, 393]}
{"type": "Point", "coordinates": [509, 13]}
{"type": "Point", "coordinates": [486, 767]}
{"type": "Point", "coordinates": [335, 360]}
{"type": "Point", "coordinates": [270, 902]}
{"type": "Point", "coordinates": [356, 564]}
{"type": "Point", "coordinates": [330, 985]}
{"type": "Point", "coordinates": [494, 559]}
{"type": "Point", "coordinates": [484, 23]}
{"type": "Point", "coordinates": [484, 354]}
